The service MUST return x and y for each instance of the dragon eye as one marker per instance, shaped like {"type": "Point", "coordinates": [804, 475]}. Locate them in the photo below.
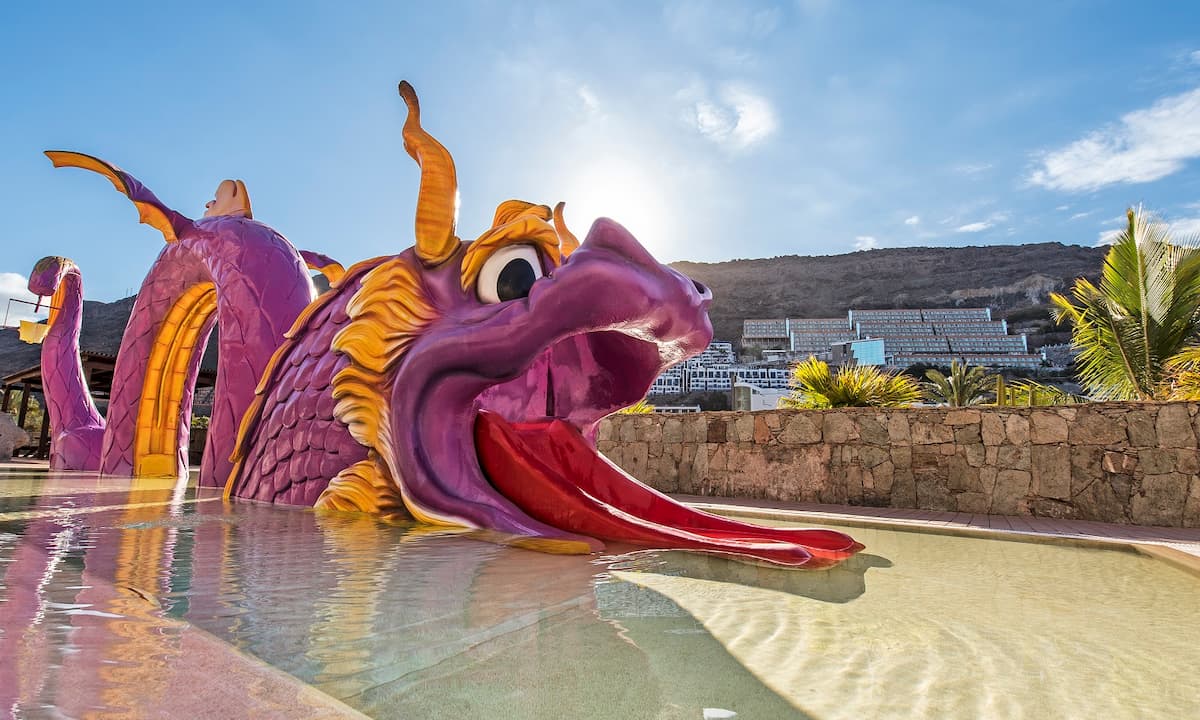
{"type": "Point", "coordinates": [509, 274]}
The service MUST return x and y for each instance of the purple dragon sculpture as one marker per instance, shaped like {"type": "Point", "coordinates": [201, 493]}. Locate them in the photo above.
{"type": "Point", "coordinates": [457, 383]}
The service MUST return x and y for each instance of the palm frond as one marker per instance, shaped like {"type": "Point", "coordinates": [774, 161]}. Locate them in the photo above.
{"type": "Point", "coordinates": [814, 385]}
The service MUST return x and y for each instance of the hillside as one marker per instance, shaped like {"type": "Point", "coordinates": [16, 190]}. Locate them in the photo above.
{"type": "Point", "coordinates": [103, 325]}
{"type": "Point", "coordinates": [1013, 280]}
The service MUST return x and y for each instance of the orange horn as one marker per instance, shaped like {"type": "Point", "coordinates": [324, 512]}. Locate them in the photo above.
{"type": "Point", "coordinates": [437, 203]}
{"type": "Point", "coordinates": [567, 242]}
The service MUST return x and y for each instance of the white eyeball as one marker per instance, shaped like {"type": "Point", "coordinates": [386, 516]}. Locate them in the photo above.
{"type": "Point", "coordinates": [509, 274]}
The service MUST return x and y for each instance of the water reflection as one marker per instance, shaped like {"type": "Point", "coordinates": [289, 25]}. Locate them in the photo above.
{"type": "Point", "coordinates": [390, 617]}
{"type": "Point", "coordinates": [110, 590]}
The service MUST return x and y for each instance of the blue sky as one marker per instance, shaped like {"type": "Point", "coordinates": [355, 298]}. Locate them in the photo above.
{"type": "Point", "coordinates": [714, 130]}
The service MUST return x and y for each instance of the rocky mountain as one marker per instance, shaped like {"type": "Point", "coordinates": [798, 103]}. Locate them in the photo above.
{"type": "Point", "coordinates": [103, 325]}
{"type": "Point", "coordinates": [1014, 280]}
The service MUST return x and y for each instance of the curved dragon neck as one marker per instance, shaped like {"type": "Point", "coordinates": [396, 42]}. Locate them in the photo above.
{"type": "Point", "coordinates": [68, 400]}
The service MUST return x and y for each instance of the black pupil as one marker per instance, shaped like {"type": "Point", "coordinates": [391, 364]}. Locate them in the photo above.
{"type": "Point", "coordinates": [515, 280]}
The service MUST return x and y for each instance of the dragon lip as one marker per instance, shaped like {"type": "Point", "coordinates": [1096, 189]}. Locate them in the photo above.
{"type": "Point", "coordinates": [548, 469]}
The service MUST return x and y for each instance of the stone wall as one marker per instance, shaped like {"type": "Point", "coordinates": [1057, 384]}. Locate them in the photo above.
{"type": "Point", "coordinates": [1115, 462]}
{"type": "Point", "coordinates": [11, 437]}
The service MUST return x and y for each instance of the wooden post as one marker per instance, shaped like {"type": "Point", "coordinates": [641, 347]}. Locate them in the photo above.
{"type": "Point", "coordinates": [8, 391]}
{"type": "Point", "coordinates": [24, 406]}
{"type": "Point", "coordinates": [43, 450]}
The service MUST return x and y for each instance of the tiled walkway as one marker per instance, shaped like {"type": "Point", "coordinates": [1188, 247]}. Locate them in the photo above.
{"type": "Point", "coordinates": [1184, 539]}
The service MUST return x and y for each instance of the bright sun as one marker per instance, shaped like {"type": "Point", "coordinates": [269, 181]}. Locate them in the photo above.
{"type": "Point", "coordinates": [623, 191]}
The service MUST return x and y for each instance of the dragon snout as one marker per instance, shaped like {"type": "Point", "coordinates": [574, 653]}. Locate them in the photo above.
{"type": "Point", "coordinates": [47, 274]}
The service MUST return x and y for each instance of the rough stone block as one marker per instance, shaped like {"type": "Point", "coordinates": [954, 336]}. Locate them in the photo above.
{"type": "Point", "coordinates": [1105, 499]}
{"type": "Point", "coordinates": [967, 435]}
{"type": "Point", "coordinates": [1161, 500]}
{"type": "Point", "coordinates": [962, 416]}
{"type": "Point", "coordinates": [872, 430]}
{"type": "Point", "coordinates": [1092, 427]}
{"type": "Point", "coordinates": [672, 430]}
{"type": "Point", "coordinates": [1015, 457]}
{"type": "Point", "coordinates": [870, 456]}
{"type": "Point", "coordinates": [1016, 429]}
{"type": "Point", "coordinates": [1174, 426]}
{"type": "Point", "coordinates": [1191, 509]}
{"type": "Point", "coordinates": [762, 431]}
{"type": "Point", "coordinates": [1156, 461]}
{"type": "Point", "coordinates": [743, 426]}
{"type": "Point", "coordinates": [1187, 461]}
{"type": "Point", "coordinates": [717, 430]}
{"type": "Point", "coordinates": [929, 432]}
{"type": "Point", "coordinates": [1010, 494]}
{"type": "Point", "coordinates": [904, 489]}
{"type": "Point", "coordinates": [1051, 471]}
{"type": "Point", "coordinates": [839, 428]}
{"type": "Point", "coordinates": [974, 454]}
{"type": "Point", "coordinates": [987, 480]}
{"type": "Point", "coordinates": [800, 429]}
{"type": "Point", "coordinates": [1119, 462]}
{"type": "Point", "coordinates": [695, 428]}
{"type": "Point", "coordinates": [961, 476]}
{"type": "Point", "coordinates": [883, 478]}
{"type": "Point", "coordinates": [1047, 427]}
{"type": "Point", "coordinates": [898, 429]}
{"type": "Point", "coordinates": [1139, 426]}
{"type": "Point", "coordinates": [992, 428]}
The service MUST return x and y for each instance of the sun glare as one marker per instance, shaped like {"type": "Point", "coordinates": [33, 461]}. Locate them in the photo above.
{"type": "Point", "coordinates": [623, 191]}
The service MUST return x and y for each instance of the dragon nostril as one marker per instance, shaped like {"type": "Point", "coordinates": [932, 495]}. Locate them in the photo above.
{"type": "Point", "coordinates": [700, 288]}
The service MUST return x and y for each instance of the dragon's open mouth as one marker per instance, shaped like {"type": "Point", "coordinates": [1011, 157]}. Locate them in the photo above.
{"type": "Point", "coordinates": [549, 468]}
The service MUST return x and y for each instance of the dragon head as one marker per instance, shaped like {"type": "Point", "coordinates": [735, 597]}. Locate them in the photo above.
{"type": "Point", "coordinates": [479, 372]}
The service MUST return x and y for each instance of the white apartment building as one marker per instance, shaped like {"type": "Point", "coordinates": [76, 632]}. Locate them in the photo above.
{"type": "Point", "coordinates": [930, 335]}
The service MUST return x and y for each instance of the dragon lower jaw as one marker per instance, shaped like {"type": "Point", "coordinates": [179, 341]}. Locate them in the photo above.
{"type": "Point", "coordinates": [549, 470]}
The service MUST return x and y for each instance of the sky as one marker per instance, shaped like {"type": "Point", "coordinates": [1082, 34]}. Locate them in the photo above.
{"type": "Point", "coordinates": [712, 129]}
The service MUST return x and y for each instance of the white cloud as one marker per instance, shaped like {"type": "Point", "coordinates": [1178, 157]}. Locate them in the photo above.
{"type": "Point", "coordinates": [15, 286]}
{"type": "Point", "coordinates": [1079, 216]}
{"type": "Point", "coordinates": [914, 220]}
{"type": "Point", "coordinates": [865, 242]}
{"type": "Point", "coordinates": [1185, 227]}
{"type": "Point", "coordinates": [989, 222]}
{"type": "Point", "coordinates": [1194, 56]}
{"type": "Point", "coordinates": [973, 227]}
{"type": "Point", "coordinates": [588, 98]}
{"type": "Point", "coordinates": [1183, 230]}
{"type": "Point", "coordinates": [1145, 145]}
{"type": "Point", "coordinates": [1063, 208]}
{"type": "Point", "coordinates": [739, 120]}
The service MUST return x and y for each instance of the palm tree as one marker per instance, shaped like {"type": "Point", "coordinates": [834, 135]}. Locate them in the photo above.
{"type": "Point", "coordinates": [1144, 312]}
{"type": "Point", "coordinates": [963, 386]}
{"type": "Point", "coordinates": [813, 385]}
{"type": "Point", "coordinates": [641, 407]}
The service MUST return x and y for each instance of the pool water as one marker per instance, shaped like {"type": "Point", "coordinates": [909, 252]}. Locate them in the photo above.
{"type": "Point", "coordinates": [99, 580]}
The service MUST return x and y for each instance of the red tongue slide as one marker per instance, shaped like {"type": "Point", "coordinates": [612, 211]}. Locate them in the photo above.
{"type": "Point", "coordinates": [554, 475]}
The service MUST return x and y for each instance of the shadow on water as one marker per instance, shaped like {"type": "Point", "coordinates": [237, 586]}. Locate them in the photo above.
{"type": "Point", "coordinates": [839, 584]}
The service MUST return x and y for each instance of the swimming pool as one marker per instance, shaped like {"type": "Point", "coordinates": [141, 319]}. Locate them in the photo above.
{"type": "Point", "coordinates": [109, 586]}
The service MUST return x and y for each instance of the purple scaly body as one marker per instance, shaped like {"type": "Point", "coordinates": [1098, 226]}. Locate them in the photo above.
{"type": "Point", "coordinates": [261, 285]}
{"type": "Point", "coordinates": [76, 428]}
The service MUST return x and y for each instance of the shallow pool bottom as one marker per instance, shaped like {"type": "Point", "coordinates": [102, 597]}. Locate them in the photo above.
{"type": "Point", "coordinates": [107, 582]}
